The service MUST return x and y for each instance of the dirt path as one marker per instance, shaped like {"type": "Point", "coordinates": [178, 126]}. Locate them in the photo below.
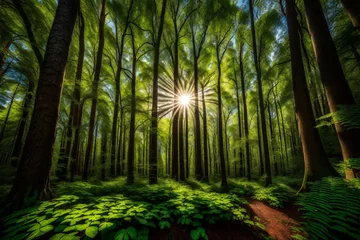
{"type": "Point", "coordinates": [278, 222]}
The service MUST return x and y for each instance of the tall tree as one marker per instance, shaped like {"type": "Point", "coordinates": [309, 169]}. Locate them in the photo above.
{"type": "Point", "coordinates": [245, 111]}
{"type": "Point", "coordinates": [221, 45]}
{"type": "Point", "coordinates": [336, 87]}
{"type": "Point", "coordinates": [120, 51]}
{"type": "Point", "coordinates": [76, 121]}
{"type": "Point", "coordinates": [261, 97]}
{"type": "Point", "coordinates": [153, 158]}
{"type": "Point", "coordinates": [32, 177]}
{"type": "Point", "coordinates": [316, 162]}
{"type": "Point", "coordinates": [95, 87]}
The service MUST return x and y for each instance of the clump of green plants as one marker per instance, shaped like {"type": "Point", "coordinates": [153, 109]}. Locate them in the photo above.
{"type": "Point", "coordinates": [276, 195]}
{"type": "Point", "coordinates": [332, 209]}
{"type": "Point", "coordinates": [129, 215]}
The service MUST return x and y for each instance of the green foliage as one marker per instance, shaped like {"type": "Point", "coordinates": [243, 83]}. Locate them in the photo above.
{"type": "Point", "coordinates": [129, 215]}
{"type": "Point", "coordinates": [332, 209]}
{"type": "Point", "coordinates": [276, 195]}
{"type": "Point", "coordinates": [346, 115]}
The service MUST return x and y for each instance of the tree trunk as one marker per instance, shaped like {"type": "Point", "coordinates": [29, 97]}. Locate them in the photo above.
{"type": "Point", "coordinates": [336, 87]}
{"type": "Point", "coordinates": [103, 154]}
{"type": "Point", "coordinates": [206, 161]}
{"type": "Point", "coordinates": [259, 142]}
{"type": "Point", "coordinates": [131, 149]}
{"type": "Point", "coordinates": [352, 8]}
{"type": "Point", "coordinates": [153, 158]}
{"type": "Point", "coordinates": [187, 143]}
{"type": "Point", "coordinates": [276, 168]}
{"type": "Point", "coordinates": [181, 145]}
{"type": "Point", "coordinates": [261, 100]}
{"type": "Point", "coordinates": [22, 125]}
{"type": "Point", "coordinates": [95, 90]}
{"type": "Point", "coordinates": [8, 113]}
{"type": "Point", "coordinates": [198, 158]}
{"type": "Point", "coordinates": [77, 111]}
{"type": "Point", "coordinates": [245, 112]}
{"type": "Point", "coordinates": [32, 177]}
{"type": "Point", "coordinates": [29, 31]}
{"type": "Point", "coordinates": [220, 128]}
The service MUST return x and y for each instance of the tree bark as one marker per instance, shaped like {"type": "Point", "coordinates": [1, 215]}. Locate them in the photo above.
{"type": "Point", "coordinates": [32, 177]}
{"type": "Point", "coordinates": [103, 154]}
{"type": "Point", "coordinates": [2, 132]}
{"type": "Point", "coordinates": [95, 90]}
{"type": "Point", "coordinates": [22, 125]}
{"type": "Point", "coordinates": [131, 149]}
{"type": "Point", "coordinates": [181, 144]}
{"type": "Point", "coordinates": [220, 127]}
{"type": "Point", "coordinates": [352, 8]}
{"type": "Point", "coordinates": [336, 87]}
{"type": "Point", "coordinates": [245, 111]}
{"type": "Point", "coordinates": [261, 100]}
{"type": "Point", "coordinates": [316, 162]}
{"type": "Point", "coordinates": [153, 158]}
{"type": "Point", "coordinates": [77, 111]}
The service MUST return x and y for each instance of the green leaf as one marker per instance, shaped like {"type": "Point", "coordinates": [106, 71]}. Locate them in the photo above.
{"type": "Point", "coordinates": [199, 216]}
{"type": "Point", "coordinates": [120, 235]}
{"type": "Point", "coordinates": [40, 231]}
{"type": "Point", "coordinates": [107, 225]}
{"type": "Point", "coordinates": [91, 231]}
{"type": "Point", "coordinates": [60, 228]}
{"type": "Point", "coordinates": [164, 224]}
{"type": "Point", "coordinates": [132, 232]}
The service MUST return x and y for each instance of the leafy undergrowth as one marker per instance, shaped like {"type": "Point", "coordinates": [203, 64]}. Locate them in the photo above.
{"type": "Point", "coordinates": [113, 210]}
{"type": "Point", "coordinates": [332, 209]}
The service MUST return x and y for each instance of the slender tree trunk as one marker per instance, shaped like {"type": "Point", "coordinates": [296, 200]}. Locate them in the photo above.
{"type": "Point", "coordinates": [153, 158]}
{"type": "Point", "coordinates": [8, 113]}
{"type": "Point", "coordinates": [261, 100]}
{"type": "Point", "coordinates": [187, 143]}
{"type": "Point", "coordinates": [103, 154]}
{"type": "Point", "coordinates": [352, 8]}
{"type": "Point", "coordinates": [95, 89]}
{"type": "Point", "coordinates": [284, 136]}
{"type": "Point", "coordinates": [124, 153]}
{"type": "Point", "coordinates": [32, 177]}
{"type": "Point", "coordinates": [22, 125]}
{"type": "Point", "coordinates": [198, 158]}
{"type": "Point", "coordinates": [119, 155]}
{"type": "Point", "coordinates": [181, 145]}
{"type": "Point", "coordinates": [245, 112]}
{"type": "Point", "coordinates": [175, 132]}
{"type": "Point", "coordinates": [280, 135]}
{"type": "Point", "coordinates": [276, 168]}
{"type": "Point", "coordinates": [259, 142]}
{"type": "Point", "coordinates": [120, 51]}
{"type": "Point", "coordinates": [220, 128]}
{"type": "Point", "coordinates": [206, 163]}
{"type": "Point", "coordinates": [336, 87]}
{"type": "Point", "coordinates": [131, 150]}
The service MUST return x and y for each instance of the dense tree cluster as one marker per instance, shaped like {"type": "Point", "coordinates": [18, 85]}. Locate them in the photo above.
{"type": "Point", "coordinates": [177, 88]}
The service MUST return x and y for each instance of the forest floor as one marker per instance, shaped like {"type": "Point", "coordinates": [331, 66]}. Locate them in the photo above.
{"type": "Point", "coordinates": [280, 224]}
{"type": "Point", "coordinates": [170, 210]}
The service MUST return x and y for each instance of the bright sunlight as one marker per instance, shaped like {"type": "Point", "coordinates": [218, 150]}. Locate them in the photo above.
{"type": "Point", "coordinates": [184, 99]}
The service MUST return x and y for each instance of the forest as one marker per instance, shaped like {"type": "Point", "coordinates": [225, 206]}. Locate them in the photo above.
{"type": "Point", "coordinates": [180, 119]}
